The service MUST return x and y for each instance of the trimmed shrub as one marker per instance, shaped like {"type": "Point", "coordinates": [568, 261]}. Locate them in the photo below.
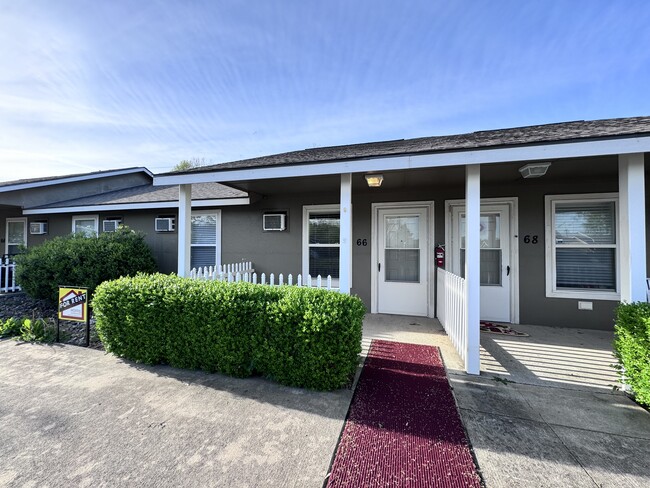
{"type": "Point", "coordinates": [632, 347]}
{"type": "Point", "coordinates": [76, 260]}
{"type": "Point", "coordinates": [296, 336]}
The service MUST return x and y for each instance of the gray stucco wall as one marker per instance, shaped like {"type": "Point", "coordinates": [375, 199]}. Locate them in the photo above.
{"type": "Point", "coordinates": [281, 252]}
{"type": "Point", "coordinates": [162, 244]}
{"type": "Point", "coordinates": [277, 252]}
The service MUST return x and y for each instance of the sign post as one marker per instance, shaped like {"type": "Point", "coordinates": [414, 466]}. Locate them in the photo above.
{"type": "Point", "coordinates": [73, 307]}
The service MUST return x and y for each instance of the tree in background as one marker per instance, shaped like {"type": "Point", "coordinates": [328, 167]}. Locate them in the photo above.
{"type": "Point", "coordinates": [187, 164]}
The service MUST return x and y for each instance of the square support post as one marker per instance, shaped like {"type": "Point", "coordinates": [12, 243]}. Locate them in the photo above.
{"type": "Point", "coordinates": [184, 229]}
{"type": "Point", "coordinates": [473, 267]}
{"type": "Point", "coordinates": [345, 237]}
{"type": "Point", "coordinates": [631, 214]}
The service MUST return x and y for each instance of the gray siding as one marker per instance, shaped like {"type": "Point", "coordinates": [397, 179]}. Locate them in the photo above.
{"type": "Point", "coordinates": [63, 192]}
{"type": "Point", "coordinates": [243, 238]}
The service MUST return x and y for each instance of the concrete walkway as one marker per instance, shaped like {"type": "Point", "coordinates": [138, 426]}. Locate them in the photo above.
{"type": "Point", "coordinates": [543, 412]}
{"type": "Point", "coordinates": [71, 416]}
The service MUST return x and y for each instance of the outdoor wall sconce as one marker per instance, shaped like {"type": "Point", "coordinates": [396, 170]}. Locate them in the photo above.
{"type": "Point", "coordinates": [374, 181]}
{"type": "Point", "coordinates": [534, 170]}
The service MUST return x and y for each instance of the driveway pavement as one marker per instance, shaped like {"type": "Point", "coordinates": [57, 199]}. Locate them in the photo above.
{"type": "Point", "coordinates": [71, 416]}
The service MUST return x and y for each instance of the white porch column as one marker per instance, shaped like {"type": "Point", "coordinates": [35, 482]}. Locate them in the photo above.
{"type": "Point", "coordinates": [631, 188]}
{"type": "Point", "coordinates": [184, 229]}
{"type": "Point", "coordinates": [345, 256]}
{"type": "Point", "coordinates": [473, 267]}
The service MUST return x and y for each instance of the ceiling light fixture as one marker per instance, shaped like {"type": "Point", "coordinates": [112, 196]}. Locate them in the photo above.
{"type": "Point", "coordinates": [534, 170]}
{"type": "Point", "coordinates": [374, 181]}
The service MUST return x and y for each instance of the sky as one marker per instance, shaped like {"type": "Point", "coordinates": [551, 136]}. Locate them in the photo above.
{"type": "Point", "coordinates": [87, 86]}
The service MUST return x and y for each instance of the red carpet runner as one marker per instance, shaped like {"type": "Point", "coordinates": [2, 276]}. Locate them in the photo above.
{"type": "Point", "coordinates": [403, 428]}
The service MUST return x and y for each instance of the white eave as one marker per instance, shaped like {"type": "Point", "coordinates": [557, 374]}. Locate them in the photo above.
{"type": "Point", "coordinates": [533, 152]}
{"type": "Point", "coordinates": [220, 202]}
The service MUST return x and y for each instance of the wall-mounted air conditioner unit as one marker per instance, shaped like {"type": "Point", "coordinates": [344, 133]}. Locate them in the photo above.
{"type": "Point", "coordinates": [38, 228]}
{"type": "Point", "coordinates": [274, 221]}
{"type": "Point", "coordinates": [164, 224]}
{"type": "Point", "coordinates": [110, 225]}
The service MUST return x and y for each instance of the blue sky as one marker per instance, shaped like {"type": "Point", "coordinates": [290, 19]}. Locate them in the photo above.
{"type": "Point", "coordinates": [86, 86]}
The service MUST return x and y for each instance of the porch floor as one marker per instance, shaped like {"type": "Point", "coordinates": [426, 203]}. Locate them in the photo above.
{"type": "Point", "coordinates": [543, 411]}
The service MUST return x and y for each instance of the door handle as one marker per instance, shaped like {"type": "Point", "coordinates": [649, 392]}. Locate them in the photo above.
{"type": "Point", "coordinates": [379, 267]}
{"type": "Point", "coordinates": [507, 270]}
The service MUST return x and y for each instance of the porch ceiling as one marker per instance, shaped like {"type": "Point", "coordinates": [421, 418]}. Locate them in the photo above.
{"type": "Point", "coordinates": [506, 173]}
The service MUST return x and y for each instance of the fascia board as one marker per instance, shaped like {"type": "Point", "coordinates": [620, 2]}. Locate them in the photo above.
{"type": "Point", "coordinates": [420, 161]}
{"type": "Point", "coordinates": [74, 179]}
{"type": "Point", "coordinates": [223, 202]}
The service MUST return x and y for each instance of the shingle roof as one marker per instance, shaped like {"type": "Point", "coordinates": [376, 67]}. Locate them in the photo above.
{"type": "Point", "coordinates": [151, 194]}
{"type": "Point", "coordinates": [536, 134]}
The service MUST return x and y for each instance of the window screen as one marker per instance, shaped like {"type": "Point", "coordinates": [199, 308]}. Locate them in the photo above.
{"type": "Point", "coordinates": [203, 241]}
{"type": "Point", "coordinates": [585, 245]}
{"type": "Point", "coordinates": [324, 248]}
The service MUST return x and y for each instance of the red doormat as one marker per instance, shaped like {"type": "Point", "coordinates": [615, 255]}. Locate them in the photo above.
{"type": "Point", "coordinates": [403, 428]}
{"type": "Point", "coordinates": [493, 328]}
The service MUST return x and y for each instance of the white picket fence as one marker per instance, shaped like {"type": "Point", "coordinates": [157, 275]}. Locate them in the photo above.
{"type": "Point", "coordinates": [233, 273]}
{"type": "Point", "coordinates": [8, 275]}
{"type": "Point", "coordinates": [451, 309]}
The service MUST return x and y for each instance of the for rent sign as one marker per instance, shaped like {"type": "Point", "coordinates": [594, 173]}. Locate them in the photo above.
{"type": "Point", "coordinates": [73, 304]}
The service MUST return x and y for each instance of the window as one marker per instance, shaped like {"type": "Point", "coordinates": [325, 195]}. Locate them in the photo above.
{"type": "Point", "coordinates": [16, 235]}
{"type": "Point", "coordinates": [87, 225]}
{"type": "Point", "coordinates": [582, 246]}
{"type": "Point", "coordinates": [205, 243]}
{"type": "Point", "coordinates": [321, 233]}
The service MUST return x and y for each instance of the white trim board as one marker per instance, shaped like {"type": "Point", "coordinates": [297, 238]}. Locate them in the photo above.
{"type": "Point", "coordinates": [558, 150]}
{"type": "Point", "coordinates": [429, 204]}
{"type": "Point", "coordinates": [222, 202]}
{"type": "Point", "coordinates": [73, 179]}
{"type": "Point", "coordinates": [513, 202]}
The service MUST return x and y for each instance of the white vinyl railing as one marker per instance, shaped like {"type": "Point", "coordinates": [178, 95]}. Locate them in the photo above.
{"type": "Point", "coordinates": [8, 275]}
{"type": "Point", "coordinates": [233, 273]}
{"type": "Point", "coordinates": [451, 309]}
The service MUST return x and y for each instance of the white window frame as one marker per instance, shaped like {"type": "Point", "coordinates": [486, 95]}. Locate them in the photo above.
{"type": "Point", "coordinates": [308, 210]}
{"type": "Point", "coordinates": [15, 219]}
{"type": "Point", "coordinates": [549, 214]}
{"type": "Point", "coordinates": [94, 217]}
{"type": "Point", "coordinates": [217, 246]}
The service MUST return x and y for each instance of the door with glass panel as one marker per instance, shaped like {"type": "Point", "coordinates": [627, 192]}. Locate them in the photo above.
{"type": "Point", "coordinates": [402, 255]}
{"type": "Point", "coordinates": [206, 239]}
{"type": "Point", "coordinates": [495, 272]}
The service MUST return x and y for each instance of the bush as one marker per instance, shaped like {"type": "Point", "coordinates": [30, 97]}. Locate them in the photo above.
{"type": "Point", "coordinates": [296, 336]}
{"type": "Point", "coordinates": [10, 327]}
{"type": "Point", "coordinates": [80, 261]}
{"type": "Point", "coordinates": [28, 330]}
{"type": "Point", "coordinates": [632, 347]}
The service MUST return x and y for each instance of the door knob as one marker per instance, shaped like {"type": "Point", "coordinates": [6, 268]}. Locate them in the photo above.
{"type": "Point", "coordinates": [507, 270]}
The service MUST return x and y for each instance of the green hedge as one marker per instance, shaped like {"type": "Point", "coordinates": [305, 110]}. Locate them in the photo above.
{"type": "Point", "coordinates": [632, 347]}
{"type": "Point", "coordinates": [75, 260]}
{"type": "Point", "coordinates": [297, 336]}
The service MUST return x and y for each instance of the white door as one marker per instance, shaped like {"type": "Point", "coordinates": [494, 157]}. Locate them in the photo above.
{"type": "Point", "coordinates": [16, 235]}
{"type": "Point", "coordinates": [402, 261]}
{"type": "Point", "coordinates": [495, 258]}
